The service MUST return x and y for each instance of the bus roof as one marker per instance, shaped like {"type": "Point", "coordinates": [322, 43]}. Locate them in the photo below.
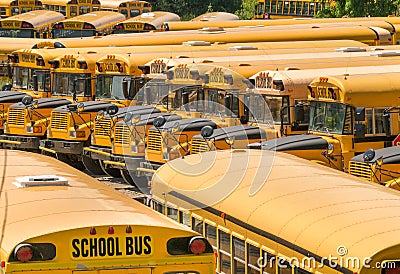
{"type": "Point", "coordinates": [357, 89]}
{"type": "Point", "coordinates": [83, 202]}
{"type": "Point", "coordinates": [114, 4]}
{"type": "Point", "coordinates": [36, 17]}
{"type": "Point", "coordinates": [97, 18]}
{"type": "Point", "coordinates": [308, 207]}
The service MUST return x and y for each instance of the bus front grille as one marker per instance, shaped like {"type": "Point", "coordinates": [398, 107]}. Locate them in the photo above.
{"type": "Point", "coordinates": [199, 146]}
{"type": "Point", "coordinates": [102, 127]}
{"type": "Point", "coordinates": [59, 121]}
{"type": "Point", "coordinates": [16, 117]}
{"type": "Point", "coordinates": [360, 169]}
{"type": "Point", "coordinates": [154, 141]}
{"type": "Point", "coordinates": [121, 135]}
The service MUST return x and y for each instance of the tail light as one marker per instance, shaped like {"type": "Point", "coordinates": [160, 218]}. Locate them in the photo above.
{"type": "Point", "coordinates": [23, 252]}
{"type": "Point", "coordinates": [189, 245]}
{"type": "Point", "coordinates": [197, 245]}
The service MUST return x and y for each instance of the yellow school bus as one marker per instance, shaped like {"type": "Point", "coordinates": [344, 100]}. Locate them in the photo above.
{"type": "Point", "coordinates": [97, 23]}
{"type": "Point", "coordinates": [284, 91]}
{"type": "Point", "coordinates": [274, 9]}
{"type": "Point", "coordinates": [123, 236]}
{"type": "Point", "coordinates": [72, 8]}
{"type": "Point", "coordinates": [129, 8]}
{"type": "Point", "coordinates": [33, 24]}
{"type": "Point", "coordinates": [14, 7]}
{"type": "Point", "coordinates": [149, 21]}
{"type": "Point", "coordinates": [344, 119]}
{"type": "Point", "coordinates": [266, 212]}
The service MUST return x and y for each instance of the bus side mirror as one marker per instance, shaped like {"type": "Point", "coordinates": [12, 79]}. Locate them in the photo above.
{"type": "Point", "coordinates": [299, 113]}
{"type": "Point", "coordinates": [386, 122]}
{"type": "Point", "coordinates": [35, 82]}
{"type": "Point", "coordinates": [148, 95]}
{"type": "Point", "coordinates": [359, 114]}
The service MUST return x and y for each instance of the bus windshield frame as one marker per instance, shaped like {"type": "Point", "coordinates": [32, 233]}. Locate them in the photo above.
{"type": "Point", "coordinates": [327, 117]}
{"type": "Point", "coordinates": [64, 84]}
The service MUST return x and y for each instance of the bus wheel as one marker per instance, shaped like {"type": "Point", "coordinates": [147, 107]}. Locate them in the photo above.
{"type": "Point", "coordinates": [113, 172]}
{"type": "Point", "coordinates": [71, 160]}
{"type": "Point", "coordinates": [140, 182]}
{"type": "Point", "coordinates": [92, 165]}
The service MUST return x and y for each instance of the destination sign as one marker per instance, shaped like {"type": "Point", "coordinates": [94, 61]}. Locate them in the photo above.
{"type": "Point", "coordinates": [111, 67]}
{"type": "Point", "coordinates": [26, 3]}
{"type": "Point", "coordinates": [28, 58]}
{"type": "Point", "coordinates": [68, 63]}
{"type": "Point", "coordinates": [83, 248]}
{"type": "Point", "coordinates": [217, 76]}
{"type": "Point", "coordinates": [11, 24]}
{"type": "Point", "coordinates": [157, 68]}
{"type": "Point", "coordinates": [134, 26]}
{"type": "Point", "coordinates": [327, 93]}
{"type": "Point", "coordinates": [73, 25]}
{"type": "Point", "coordinates": [182, 73]}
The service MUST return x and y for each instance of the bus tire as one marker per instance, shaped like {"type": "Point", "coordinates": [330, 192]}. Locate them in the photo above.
{"type": "Point", "coordinates": [113, 172]}
{"type": "Point", "coordinates": [141, 183]}
{"type": "Point", "coordinates": [71, 160]}
{"type": "Point", "coordinates": [92, 165]}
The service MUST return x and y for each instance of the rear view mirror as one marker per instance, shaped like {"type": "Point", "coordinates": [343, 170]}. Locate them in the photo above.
{"type": "Point", "coordinates": [386, 122]}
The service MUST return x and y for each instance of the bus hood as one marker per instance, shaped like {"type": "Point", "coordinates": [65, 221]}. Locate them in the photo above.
{"type": "Point", "coordinates": [389, 155]}
{"type": "Point", "coordinates": [295, 142]}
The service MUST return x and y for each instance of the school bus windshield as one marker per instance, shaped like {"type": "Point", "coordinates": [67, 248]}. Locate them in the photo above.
{"type": "Point", "coordinates": [65, 83]}
{"type": "Point", "coordinates": [266, 109]}
{"type": "Point", "coordinates": [110, 87]}
{"type": "Point", "coordinates": [327, 117]}
{"type": "Point", "coordinates": [210, 101]}
{"type": "Point", "coordinates": [23, 78]}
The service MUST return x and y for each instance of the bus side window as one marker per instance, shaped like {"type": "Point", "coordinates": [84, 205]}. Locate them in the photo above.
{"type": "Point", "coordinates": [224, 241]}
{"type": "Point", "coordinates": [211, 234]}
{"type": "Point", "coordinates": [238, 254]}
{"type": "Point", "coordinates": [268, 262]}
{"type": "Point", "coordinates": [284, 267]}
{"type": "Point", "coordinates": [253, 258]}
{"type": "Point", "coordinates": [172, 213]}
{"type": "Point", "coordinates": [184, 218]}
{"type": "Point", "coordinates": [197, 225]}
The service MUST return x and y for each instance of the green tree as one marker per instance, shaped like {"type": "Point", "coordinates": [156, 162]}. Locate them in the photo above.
{"type": "Point", "coordinates": [246, 10]}
{"type": "Point", "coordinates": [360, 8]}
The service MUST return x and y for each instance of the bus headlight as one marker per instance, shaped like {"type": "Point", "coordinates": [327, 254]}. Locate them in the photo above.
{"type": "Point", "coordinates": [29, 129]}
{"type": "Point", "coordinates": [77, 134]}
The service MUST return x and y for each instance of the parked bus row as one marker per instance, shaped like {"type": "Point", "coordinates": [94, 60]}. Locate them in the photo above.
{"type": "Point", "coordinates": [72, 8]}
{"type": "Point", "coordinates": [87, 143]}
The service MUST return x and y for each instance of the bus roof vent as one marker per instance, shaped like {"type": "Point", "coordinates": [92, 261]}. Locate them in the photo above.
{"type": "Point", "coordinates": [196, 43]}
{"type": "Point", "coordinates": [351, 49]}
{"type": "Point", "coordinates": [41, 180]}
{"type": "Point", "coordinates": [212, 30]}
{"type": "Point", "coordinates": [243, 48]}
{"type": "Point", "coordinates": [385, 53]}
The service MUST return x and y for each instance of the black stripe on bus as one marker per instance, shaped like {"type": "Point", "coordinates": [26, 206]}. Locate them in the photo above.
{"type": "Point", "coordinates": [260, 232]}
